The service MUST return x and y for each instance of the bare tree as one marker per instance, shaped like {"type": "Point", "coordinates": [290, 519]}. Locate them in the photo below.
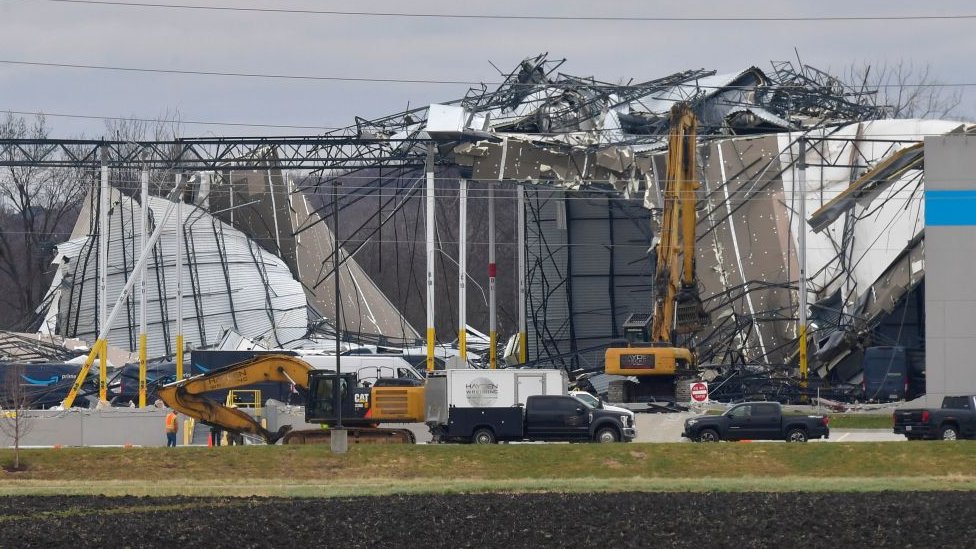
{"type": "Point", "coordinates": [909, 90]}
{"type": "Point", "coordinates": [37, 209]}
{"type": "Point", "coordinates": [16, 422]}
{"type": "Point", "coordinates": [167, 127]}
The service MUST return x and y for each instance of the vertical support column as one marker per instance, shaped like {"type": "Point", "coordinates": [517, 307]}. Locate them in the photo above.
{"type": "Point", "coordinates": [430, 257]}
{"type": "Point", "coordinates": [178, 221]}
{"type": "Point", "coordinates": [523, 330]}
{"type": "Point", "coordinates": [338, 444]}
{"type": "Point", "coordinates": [463, 268]}
{"type": "Point", "coordinates": [143, 298]}
{"type": "Point", "coordinates": [492, 318]}
{"type": "Point", "coordinates": [103, 276]}
{"type": "Point", "coordinates": [230, 193]}
{"type": "Point", "coordinates": [802, 249]}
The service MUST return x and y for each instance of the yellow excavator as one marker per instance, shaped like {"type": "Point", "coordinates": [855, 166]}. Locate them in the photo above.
{"type": "Point", "coordinates": [360, 405]}
{"type": "Point", "coordinates": [650, 354]}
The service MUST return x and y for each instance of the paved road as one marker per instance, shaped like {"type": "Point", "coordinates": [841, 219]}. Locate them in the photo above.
{"type": "Point", "coordinates": [668, 428]}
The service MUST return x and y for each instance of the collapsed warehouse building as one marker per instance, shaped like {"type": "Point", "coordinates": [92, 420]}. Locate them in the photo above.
{"type": "Point", "coordinates": [590, 158]}
{"type": "Point", "coordinates": [865, 238]}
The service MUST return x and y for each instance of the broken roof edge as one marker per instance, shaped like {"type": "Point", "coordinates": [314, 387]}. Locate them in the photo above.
{"type": "Point", "coordinates": [882, 175]}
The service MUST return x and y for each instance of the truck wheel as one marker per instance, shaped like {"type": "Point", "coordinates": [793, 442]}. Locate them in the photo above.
{"type": "Point", "coordinates": [796, 435]}
{"type": "Point", "coordinates": [949, 432]}
{"type": "Point", "coordinates": [607, 434]}
{"type": "Point", "coordinates": [484, 436]}
{"type": "Point", "coordinates": [708, 435]}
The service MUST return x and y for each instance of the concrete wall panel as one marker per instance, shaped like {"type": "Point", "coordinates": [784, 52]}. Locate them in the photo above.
{"type": "Point", "coordinates": [950, 261]}
{"type": "Point", "coordinates": [109, 427]}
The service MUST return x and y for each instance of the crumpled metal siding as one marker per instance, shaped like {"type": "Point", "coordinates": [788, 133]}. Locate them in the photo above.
{"type": "Point", "coordinates": [748, 227]}
{"type": "Point", "coordinates": [742, 252]}
{"type": "Point", "coordinates": [267, 303]}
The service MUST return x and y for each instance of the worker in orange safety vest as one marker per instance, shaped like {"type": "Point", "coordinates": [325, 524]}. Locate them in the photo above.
{"type": "Point", "coordinates": [171, 429]}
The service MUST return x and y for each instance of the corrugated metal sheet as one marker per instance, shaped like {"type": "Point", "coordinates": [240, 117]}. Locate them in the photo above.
{"type": "Point", "coordinates": [582, 287]}
{"type": "Point", "coordinates": [743, 244]}
{"type": "Point", "coordinates": [547, 302]}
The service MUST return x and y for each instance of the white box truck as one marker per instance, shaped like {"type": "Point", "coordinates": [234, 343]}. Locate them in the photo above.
{"type": "Point", "coordinates": [471, 388]}
{"type": "Point", "coordinates": [487, 406]}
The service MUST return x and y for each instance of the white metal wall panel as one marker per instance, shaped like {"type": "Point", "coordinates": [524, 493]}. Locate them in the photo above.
{"type": "Point", "coordinates": [268, 304]}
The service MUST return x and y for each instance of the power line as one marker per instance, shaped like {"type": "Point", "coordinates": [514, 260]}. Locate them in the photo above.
{"type": "Point", "coordinates": [556, 84]}
{"type": "Point", "coordinates": [622, 19]}
{"type": "Point", "coordinates": [236, 74]}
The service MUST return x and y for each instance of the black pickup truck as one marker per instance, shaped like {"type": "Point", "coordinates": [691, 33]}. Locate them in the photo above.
{"type": "Point", "coordinates": [543, 418]}
{"type": "Point", "coordinates": [756, 421]}
{"type": "Point", "coordinates": [955, 419]}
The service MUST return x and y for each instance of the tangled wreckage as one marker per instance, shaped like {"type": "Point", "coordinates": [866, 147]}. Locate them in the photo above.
{"type": "Point", "coordinates": [865, 238]}
{"type": "Point", "coordinates": [590, 157]}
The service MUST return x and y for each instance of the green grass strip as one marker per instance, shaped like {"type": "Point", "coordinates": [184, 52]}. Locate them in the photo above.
{"type": "Point", "coordinates": [385, 469]}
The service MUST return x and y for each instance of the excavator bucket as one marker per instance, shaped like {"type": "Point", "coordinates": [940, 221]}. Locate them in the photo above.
{"type": "Point", "coordinates": [689, 312]}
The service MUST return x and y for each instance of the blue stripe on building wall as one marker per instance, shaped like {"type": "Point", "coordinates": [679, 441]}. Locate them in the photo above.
{"type": "Point", "coordinates": [945, 208]}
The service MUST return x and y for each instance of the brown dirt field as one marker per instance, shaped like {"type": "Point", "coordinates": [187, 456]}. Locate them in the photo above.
{"type": "Point", "coordinates": [614, 520]}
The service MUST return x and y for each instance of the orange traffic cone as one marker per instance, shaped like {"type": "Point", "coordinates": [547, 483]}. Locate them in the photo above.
{"type": "Point", "coordinates": [210, 440]}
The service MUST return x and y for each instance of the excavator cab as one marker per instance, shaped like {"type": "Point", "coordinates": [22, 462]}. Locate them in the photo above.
{"type": "Point", "coordinates": [325, 389]}
{"type": "Point", "coordinates": [362, 404]}
{"type": "Point", "coordinates": [637, 329]}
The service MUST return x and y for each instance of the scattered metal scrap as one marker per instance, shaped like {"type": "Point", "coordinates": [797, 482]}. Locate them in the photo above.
{"type": "Point", "coordinates": [32, 348]}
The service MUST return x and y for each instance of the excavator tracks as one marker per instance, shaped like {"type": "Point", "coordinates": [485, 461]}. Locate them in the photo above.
{"type": "Point", "coordinates": [361, 435]}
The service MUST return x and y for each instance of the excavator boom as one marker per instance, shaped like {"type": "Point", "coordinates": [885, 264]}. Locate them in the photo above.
{"type": "Point", "coordinates": [187, 396]}
{"type": "Point", "coordinates": [678, 306]}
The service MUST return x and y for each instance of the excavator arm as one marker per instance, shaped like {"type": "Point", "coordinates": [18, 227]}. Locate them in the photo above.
{"type": "Point", "coordinates": [678, 305]}
{"type": "Point", "coordinates": [187, 396]}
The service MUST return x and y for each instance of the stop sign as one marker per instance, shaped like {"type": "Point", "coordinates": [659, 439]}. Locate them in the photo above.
{"type": "Point", "coordinates": [699, 392]}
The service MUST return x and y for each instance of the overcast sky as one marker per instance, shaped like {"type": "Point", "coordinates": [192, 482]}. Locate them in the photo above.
{"type": "Point", "coordinates": [44, 31]}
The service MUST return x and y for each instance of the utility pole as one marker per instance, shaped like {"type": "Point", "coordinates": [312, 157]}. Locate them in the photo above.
{"type": "Point", "coordinates": [143, 299]}
{"type": "Point", "coordinates": [492, 319]}
{"type": "Point", "coordinates": [339, 437]}
{"type": "Point", "coordinates": [462, 268]}
{"type": "Point", "coordinates": [430, 257]}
